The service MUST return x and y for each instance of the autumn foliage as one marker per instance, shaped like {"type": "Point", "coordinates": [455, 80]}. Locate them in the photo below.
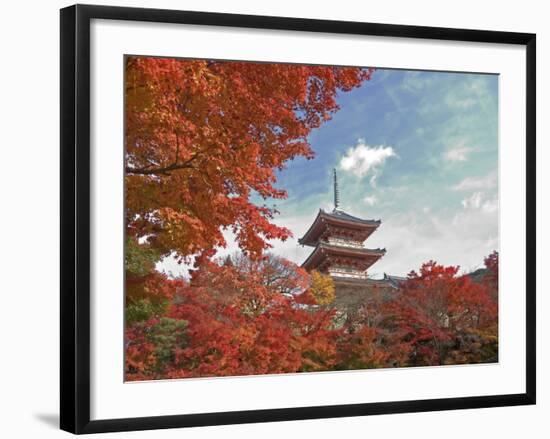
{"type": "Point", "coordinates": [442, 318]}
{"type": "Point", "coordinates": [239, 317]}
{"type": "Point", "coordinates": [234, 318]}
{"type": "Point", "coordinates": [202, 136]}
{"type": "Point", "coordinates": [202, 139]}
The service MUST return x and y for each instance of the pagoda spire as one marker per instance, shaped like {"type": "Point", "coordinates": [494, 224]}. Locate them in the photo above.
{"type": "Point", "coordinates": [336, 191]}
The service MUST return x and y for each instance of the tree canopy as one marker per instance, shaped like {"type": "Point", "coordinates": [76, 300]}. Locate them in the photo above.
{"type": "Point", "coordinates": [202, 136]}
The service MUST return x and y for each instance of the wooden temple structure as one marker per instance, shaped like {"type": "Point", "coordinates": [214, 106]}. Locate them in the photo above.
{"type": "Point", "coordinates": [338, 240]}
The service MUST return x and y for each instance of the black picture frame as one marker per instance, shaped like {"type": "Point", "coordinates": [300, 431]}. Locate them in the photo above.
{"type": "Point", "coordinates": [75, 217]}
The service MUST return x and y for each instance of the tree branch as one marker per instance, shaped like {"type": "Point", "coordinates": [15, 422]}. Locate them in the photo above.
{"type": "Point", "coordinates": [164, 170]}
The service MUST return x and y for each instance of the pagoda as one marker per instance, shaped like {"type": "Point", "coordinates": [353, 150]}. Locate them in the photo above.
{"type": "Point", "coordinates": [337, 239]}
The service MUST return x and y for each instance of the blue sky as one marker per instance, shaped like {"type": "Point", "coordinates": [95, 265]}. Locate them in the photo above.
{"type": "Point", "coordinates": [418, 150]}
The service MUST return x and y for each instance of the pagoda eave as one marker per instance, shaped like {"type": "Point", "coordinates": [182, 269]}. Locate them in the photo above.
{"type": "Point", "coordinates": [326, 255]}
{"type": "Point", "coordinates": [338, 224]}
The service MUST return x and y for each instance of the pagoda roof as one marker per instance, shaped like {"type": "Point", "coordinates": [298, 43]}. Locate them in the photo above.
{"type": "Point", "coordinates": [396, 281]}
{"type": "Point", "coordinates": [323, 249]}
{"type": "Point", "coordinates": [336, 217]}
{"type": "Point", "coordinates": [340, 214]}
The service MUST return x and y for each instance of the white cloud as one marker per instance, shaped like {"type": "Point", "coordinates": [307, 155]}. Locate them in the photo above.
{"type": "Point", "coordinates": [371, 200]}
{"type": "Point", "coordinates": [478, 201]}
{"type": "Point", "coordinates": [490, 206]}
{"type": "Point", "coordinates": [170, 266]}
{"type": "Point", "coordinates": [475, 183]}
{"type": "Point", "coordinates": [364, 159]}
{"type": "Point", "coordinates": [290, 249]}
{"type": "Point", "coordinates": [473, 202]}
{"type": "Point", "coordinates": [458, 154]}
{"type": "Point", "coordinates": [464, 239]}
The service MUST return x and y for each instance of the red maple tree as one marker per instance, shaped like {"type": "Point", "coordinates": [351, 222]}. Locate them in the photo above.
{"type": "Point", "coordinates": [202, 136]}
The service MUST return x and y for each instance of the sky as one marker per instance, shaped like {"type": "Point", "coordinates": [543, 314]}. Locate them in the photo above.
{"type": "Point", "coordinates": [417, 150]}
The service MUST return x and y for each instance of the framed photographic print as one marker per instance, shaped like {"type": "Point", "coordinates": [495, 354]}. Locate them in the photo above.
{"type": "Point", "coordinates": [267, 218]}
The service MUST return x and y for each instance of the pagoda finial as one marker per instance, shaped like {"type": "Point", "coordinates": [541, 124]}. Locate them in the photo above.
{"type": "Point", "coordinates": [336, 191]}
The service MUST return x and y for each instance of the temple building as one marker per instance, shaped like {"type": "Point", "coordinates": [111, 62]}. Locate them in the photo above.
{"type": "Point", "coordinates": [338, 240]}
